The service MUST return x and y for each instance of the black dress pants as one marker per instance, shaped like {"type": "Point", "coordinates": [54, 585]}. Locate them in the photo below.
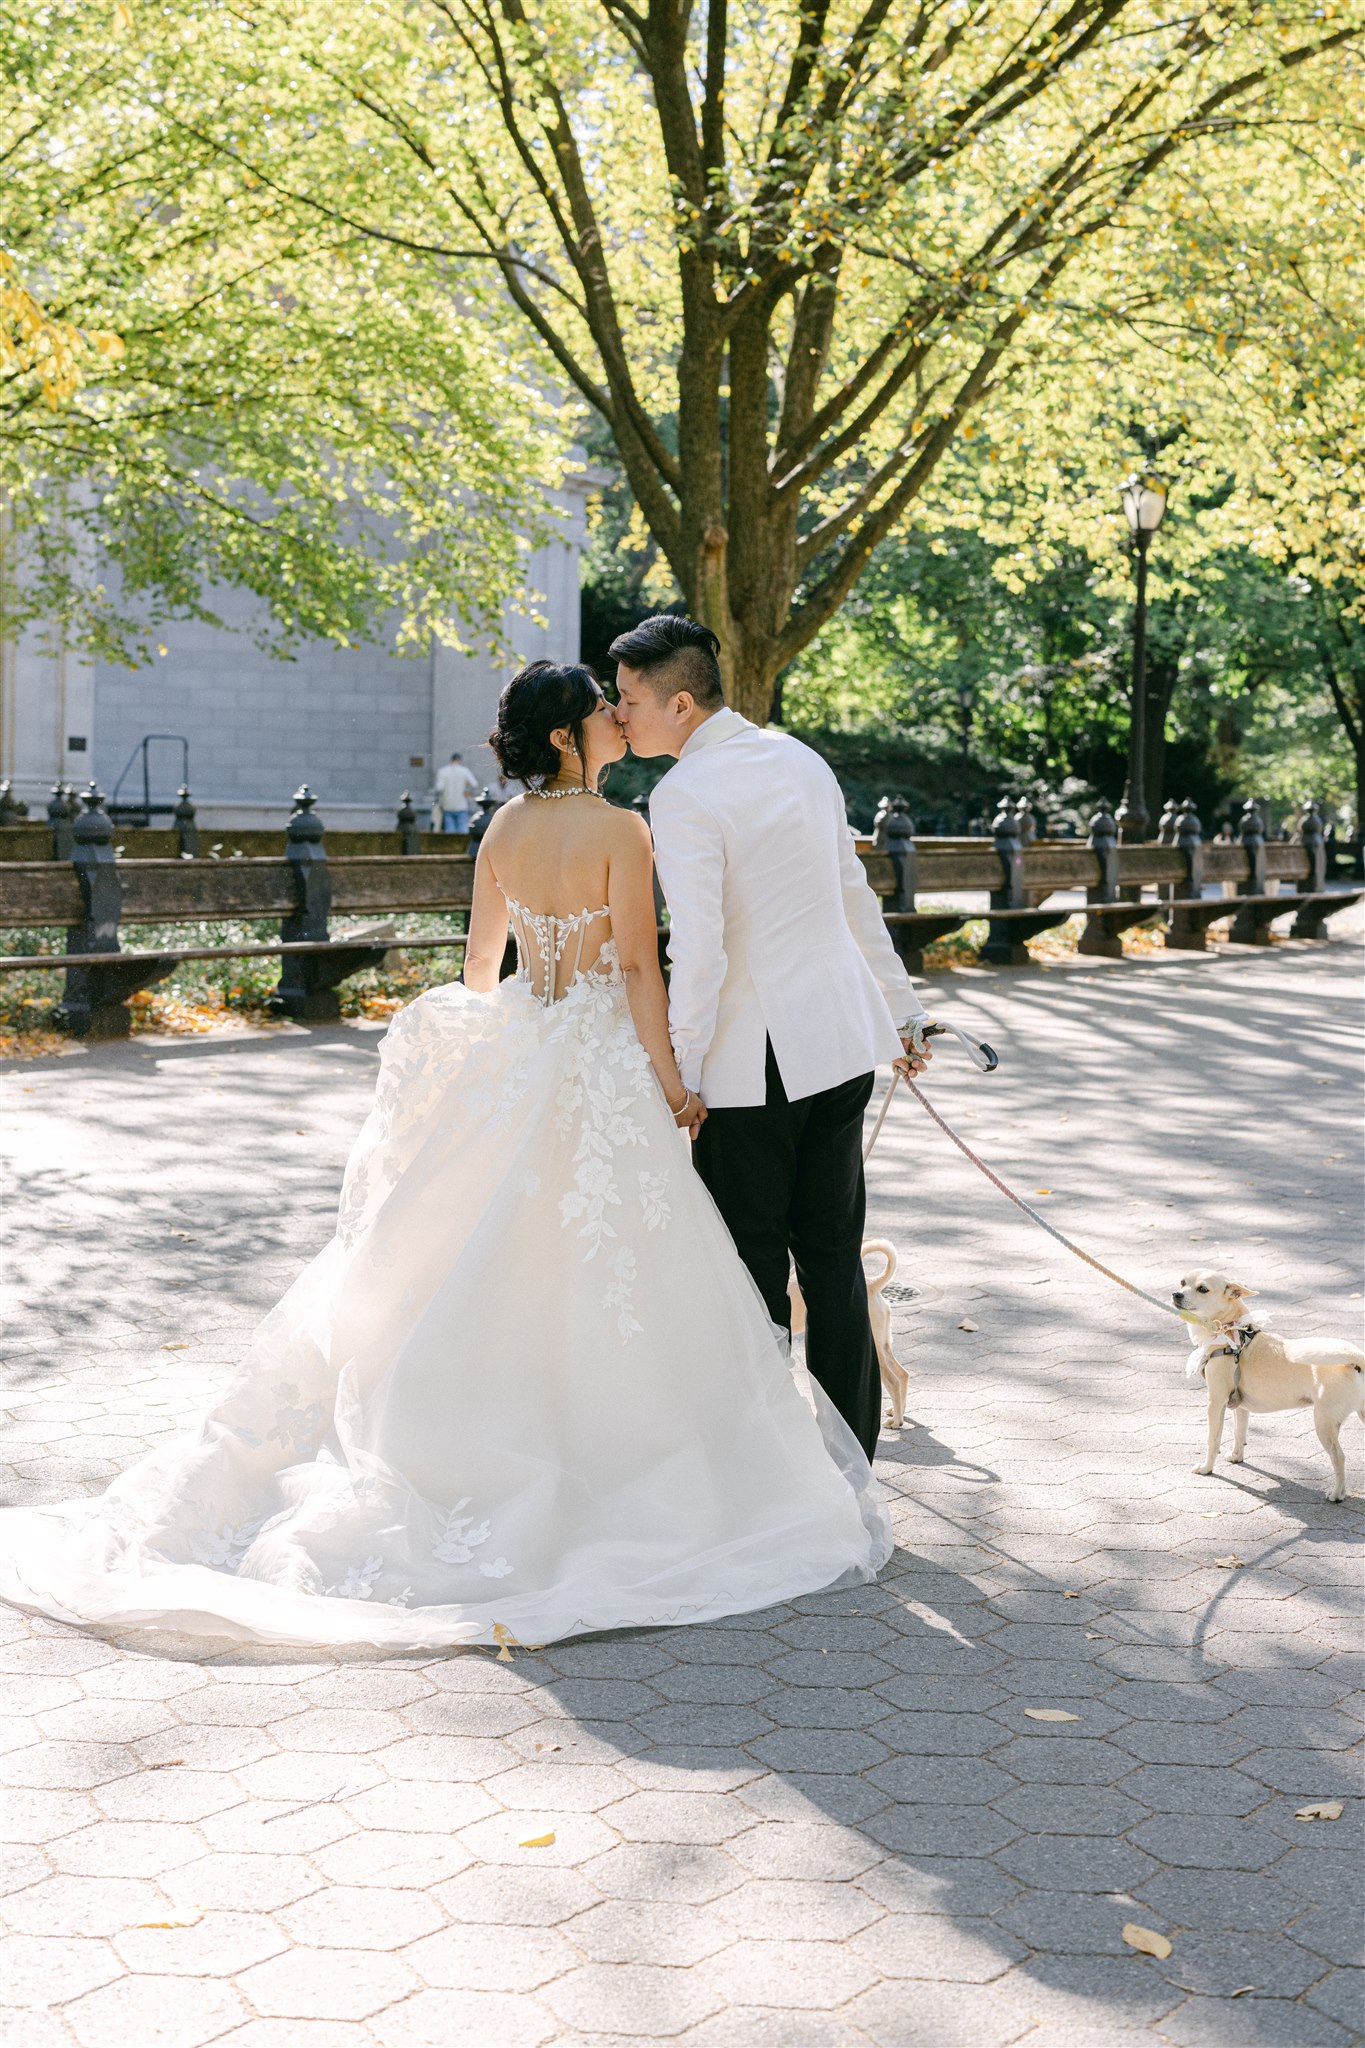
{"type": "Point", "coordinates": [788, 1179]}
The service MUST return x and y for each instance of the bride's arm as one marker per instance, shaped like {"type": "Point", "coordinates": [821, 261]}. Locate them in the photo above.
{"type": "Point", "coordinates": [487, 938]}
{"type": "Point", "coordinates": [630, 898]}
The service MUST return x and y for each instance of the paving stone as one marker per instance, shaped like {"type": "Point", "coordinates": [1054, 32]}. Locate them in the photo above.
{"type": "Point", "coordinates": [939, 2016]}
{"type": "Point", "coordinates": [789, 1849]}
{"type": "Point", "coordinates": [1332, 1930]}
{"type": "Point", "coordinates": [298, 2034]}
{"type": "Point", "coordinates": [949, 1949]}
{"type": "Point", "coordinates": [940, 1830]}
{"type": "Point", "coordinates": [1220, 2023]}
{"type": "Point", "coordinates": [422, 1808]}
{"type": "Point", "coordinates": [383, 1857]}
{"type": "Point", "coordinates": [241, 1883]}
{"type": "Point", "coordinates": [436, 2019]}
{"type": "Point", "coordinates": [483, 1957]}
{"type": "Point", "coordinates": [84, 1905]}
{"type": "Point", "coordinates": [678, 1817]}
{"type": "Point", "coordinates": [1341, 1995]}
{"type": "Point", "coordinates": [37, 1969]}
{"type": "Point", "coordinates": [326, 1984]}
{"type": "Point", "coordinates": [946, 1732]}
{"type": "Point", "coordinates": [798, 1974]}
{"type": "Point", "coordinates": [154, 2012]}
{"type": "Point", "coordinates": [793, 1910]}
{"type": "Point", "coordinates": [666, 1871]}
{"type": "Point", "coordinates": [939, 1884]}
{"type": "Point", "coordinates": [1089, 1990]}
{"type": "Point", "coordinates": [210, 1945]}
{"type": "Point", "coordinates": [635, 1931]}
{"type": "Point", "coordinates": [810, 1796]}
{"type": "Point", "coordinates": [752, 2027]}
{"type": "Point", "coordinates": [359, 1917]}
{"type": "Point", "coordinates": [526, 1897]}
{"type": "Point", "coordinates": [1220, 1899]}
{"type": "Point", "coordinates": [632, 1999]}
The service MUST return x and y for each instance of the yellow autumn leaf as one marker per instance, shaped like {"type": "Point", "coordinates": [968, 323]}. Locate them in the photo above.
{"type": "Point", "coordinates": [538, 1841]}
{"type": "Point", "coordinates": [1146, 1940]}
{"type": "Point", "coordinates": [1049, 1714]}
{"type": "Point", "coordinates": [175, 1347]}
{"type": "Point", "coordinates": [1326, 1809]}
{"type": "Point", "coordinates": [1230, 1563]}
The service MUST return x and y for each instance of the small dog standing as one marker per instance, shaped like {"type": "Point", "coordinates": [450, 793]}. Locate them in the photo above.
{"type": "Point", "coordinates": [895, 1379]}
{"type": "Point", "coordinates": [1257, 1372]}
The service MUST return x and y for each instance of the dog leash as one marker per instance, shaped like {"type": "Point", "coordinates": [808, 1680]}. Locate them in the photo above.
{"type": "Point", "coordinates": [982, 1066]}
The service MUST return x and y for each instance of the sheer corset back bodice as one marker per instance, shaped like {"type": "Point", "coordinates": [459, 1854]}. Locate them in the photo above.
{"type": "Point", "coordinates": [554, 952]}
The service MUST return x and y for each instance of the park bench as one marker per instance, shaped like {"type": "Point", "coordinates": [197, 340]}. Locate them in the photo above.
{"type": "Point", "coordinates": [77, 881]}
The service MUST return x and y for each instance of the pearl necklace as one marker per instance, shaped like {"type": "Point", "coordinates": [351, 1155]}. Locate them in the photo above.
{"type": "Point", "coordinates": [574, 789]}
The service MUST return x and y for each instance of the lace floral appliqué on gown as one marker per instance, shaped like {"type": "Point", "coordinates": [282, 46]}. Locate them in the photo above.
{"type": "Point", "coordinates": [528, 1384]}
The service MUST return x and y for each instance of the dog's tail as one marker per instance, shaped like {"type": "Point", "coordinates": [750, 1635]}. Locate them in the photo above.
{"type": "Point", "coordinates": [879, 1247]}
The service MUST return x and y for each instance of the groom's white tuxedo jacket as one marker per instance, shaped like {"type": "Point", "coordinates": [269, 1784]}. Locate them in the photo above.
{"type": "Point", "coordinates": [775, 931]}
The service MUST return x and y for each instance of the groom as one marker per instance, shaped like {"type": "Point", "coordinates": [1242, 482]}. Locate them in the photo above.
{"type": "Point", "coordinates": [785, 991]}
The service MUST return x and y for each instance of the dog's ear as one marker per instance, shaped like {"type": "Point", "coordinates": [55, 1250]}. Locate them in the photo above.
{"type": "Point", "coordinates": [1242, 1293]}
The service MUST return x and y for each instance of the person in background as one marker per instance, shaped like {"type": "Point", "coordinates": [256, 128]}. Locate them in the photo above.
{"type": "Point", "coordinates": [455, 789]}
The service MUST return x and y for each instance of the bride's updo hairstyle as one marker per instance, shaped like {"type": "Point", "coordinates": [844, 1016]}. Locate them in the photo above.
{"type": "Point", "coordinates": [542, 698]}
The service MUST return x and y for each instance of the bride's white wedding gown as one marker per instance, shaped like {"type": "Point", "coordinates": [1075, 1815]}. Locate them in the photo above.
{"type": "Point", "coordinates": [527, 1388]}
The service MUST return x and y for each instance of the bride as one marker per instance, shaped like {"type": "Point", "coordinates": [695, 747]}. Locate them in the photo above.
{"type": "Point", "coordinates": [617, 1436]}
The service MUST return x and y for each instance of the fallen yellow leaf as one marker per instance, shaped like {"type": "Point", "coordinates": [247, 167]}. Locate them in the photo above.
{"type": "Point", "coordinates": [175, 1347]}
{"type": "Point", "coordinates": [539, 1841]}
{"type": "Point", "coordinates": [1326, 1809]}
{"type": "Point", "coordinates": [1146, 1940]}
{"type": "Point", "coordinates": [1042, 1191]}
{"type": "Point", "coordinates": [1071, 1596]}
{"type": "Point", "coordinates": [172, 1923]}
{"type": "Point", "coordinates": [1230, 1563]}
{"type": "Point", "coordinates": [966, 1324]}
{"type": "Point", "coordinates": [1049, 1714]}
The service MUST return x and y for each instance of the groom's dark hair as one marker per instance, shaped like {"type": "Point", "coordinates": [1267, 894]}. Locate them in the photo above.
{"type": "Point", "coordinates": [673, 654]}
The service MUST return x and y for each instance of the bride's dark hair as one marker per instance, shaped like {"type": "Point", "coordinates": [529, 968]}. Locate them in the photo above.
{"type": "Point", "coordinates": [539, 700]}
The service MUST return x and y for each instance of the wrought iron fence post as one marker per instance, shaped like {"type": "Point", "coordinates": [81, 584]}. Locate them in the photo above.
{"type": "Point", "coordinates": [300, 991]}
{"type": "Point", "coordinates": [480, 823]}
{"type": "Point", "coordinates": [1103, 841]}
{"type": "Point", "coordinates": [61, 812]}
{"type": "Point", "coordinates": [410, 832]}
{"type": "Point", "coordinates": [1187, 930]}
{"type": "Point", "coordinates": [186, 829]}
{"type": "Point", "coordinates": [1310, 920]}
{"type": "Point", "coordinates": [893, 833]}
{"type": "Point", "coordinates": [1251, 927]}
{"type": "Point", "coordinates": [1002, 946]}
{"type": "Point", "coordinates": [89, 1008]}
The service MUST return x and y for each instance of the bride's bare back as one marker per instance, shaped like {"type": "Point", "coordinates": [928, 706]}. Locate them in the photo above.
{"type": "Point", "coordinates": [567, 874]}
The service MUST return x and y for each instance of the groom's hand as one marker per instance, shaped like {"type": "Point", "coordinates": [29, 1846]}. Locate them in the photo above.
{"type": "Point", "coordinates": [913, 1062]}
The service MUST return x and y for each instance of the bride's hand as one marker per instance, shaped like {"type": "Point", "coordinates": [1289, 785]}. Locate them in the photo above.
{"type": "Point", "coordinates": [690, 1113]}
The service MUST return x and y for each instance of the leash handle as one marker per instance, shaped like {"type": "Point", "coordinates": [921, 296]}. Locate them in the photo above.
{"type": "Point", "coordinates": [982, 1056]}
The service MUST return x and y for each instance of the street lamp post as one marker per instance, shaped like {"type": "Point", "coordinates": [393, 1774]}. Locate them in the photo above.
{"type": "Point", "coordinates": [1144, 503]}
{"type": "Point", "coordinates": [966, 697]}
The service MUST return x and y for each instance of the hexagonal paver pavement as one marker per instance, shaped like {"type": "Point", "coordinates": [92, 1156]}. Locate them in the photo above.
{"type": "Point", "coordinates": [918, 1814]}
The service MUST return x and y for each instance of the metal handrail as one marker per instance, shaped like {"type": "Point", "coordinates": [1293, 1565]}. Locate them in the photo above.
{"type": "Point", "coordinates": [125, 811]}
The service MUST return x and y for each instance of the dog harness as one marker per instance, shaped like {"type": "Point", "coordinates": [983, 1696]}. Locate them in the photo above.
{"type": "Point", "coordinates": [1233, 1341]}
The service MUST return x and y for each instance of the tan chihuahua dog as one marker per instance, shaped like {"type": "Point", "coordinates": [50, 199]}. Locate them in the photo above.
{"type": "Point", "coordinates": [895, 1379]}
{"type": "Point", "coordinates": [1257, 1372]}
